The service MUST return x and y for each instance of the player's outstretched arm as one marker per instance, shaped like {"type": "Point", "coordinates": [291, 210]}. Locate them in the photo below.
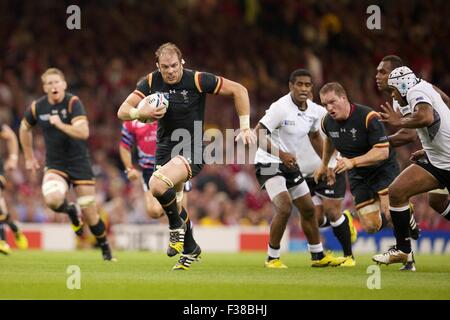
{"type": "Point", "coordinates": [12, 145]}
{"type": "Point", "coordinates": [323, 172]}
{"type": "Point", "coordinates": [127, 110]}
{"type": "Point", "coordinates": [316, 142]}
{"type": "Point", "coordinates": [125, 156]}
{"type": "Point", "coordinates": [264, 141]}
{"type": "Point", "coordinates": [327, 152]}
{"type": "Point", "coordinates": [147, 113]}
{"type": "Point", "coordinates": [372, 157]}
{"type": "Point", "coordinates": [422, 116]}
{"type": "Point", "coordinates": [242, 105]}
{"type": "Point", "coordinates": [416, 155]}
{"type": "Point", "coordinates": [402, 137]}
{"type": "Point", "coordinates": [26, 141]}
{"type": "Point", "coordinates": [266, 144]}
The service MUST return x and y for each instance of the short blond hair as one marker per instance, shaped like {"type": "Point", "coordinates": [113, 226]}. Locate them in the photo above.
{"type": "Point", "coordinates": [166, 48]}
{"type": "Point", "coordinates": [50, 71]}
{"type": "Point", "coordinates": [334, 86]}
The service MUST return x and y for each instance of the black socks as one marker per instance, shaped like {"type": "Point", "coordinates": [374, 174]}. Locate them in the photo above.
{"type": "Point", "coordinates": [169, 203]}
{"type": "Point", "coordinates": [400, 219]}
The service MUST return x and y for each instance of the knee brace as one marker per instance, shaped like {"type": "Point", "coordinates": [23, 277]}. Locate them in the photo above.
{"type": "Point", "coordinates": [372, 225]}
{"type": "Point", "coordinates": [51, 186]}
{"type": "Point", "coordinates": [163, 178]}
{"type": "Point", "coordinates": [86, 201]}
{"type": "Point", "coordinates": [373, 207]}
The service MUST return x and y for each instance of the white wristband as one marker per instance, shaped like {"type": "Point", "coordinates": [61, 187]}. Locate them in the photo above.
{"type": "Point", "coordinates": [244, 122]}
{"type": "Point", "coordinates": [14, 156]}
{"type": "Point", "coordinates": [134, 113]}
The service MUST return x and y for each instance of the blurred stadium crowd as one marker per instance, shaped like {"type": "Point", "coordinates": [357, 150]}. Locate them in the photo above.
{"type": "Point", "coordinates": [254, 42]}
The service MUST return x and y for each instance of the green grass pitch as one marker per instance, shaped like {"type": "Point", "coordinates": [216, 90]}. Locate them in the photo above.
{"type": "Point", "coordinates": [145, 275]}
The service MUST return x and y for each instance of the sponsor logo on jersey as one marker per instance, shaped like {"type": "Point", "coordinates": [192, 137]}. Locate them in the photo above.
{"type": "Point", "coordinates": [334, 134]}
{"type": "Point", "coordinates": [44, 117]}
{"type": "Point", "coordinates": [405, 110]}
{"type": "Point", "coordinates": [288, 123]}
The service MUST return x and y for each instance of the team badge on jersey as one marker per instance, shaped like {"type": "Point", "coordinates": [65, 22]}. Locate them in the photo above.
{"type": "Point", "coordinates": [185, 97]}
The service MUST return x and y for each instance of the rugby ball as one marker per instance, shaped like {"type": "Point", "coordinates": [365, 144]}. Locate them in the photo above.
{"type": "Point", "coordinates": [155, 100]}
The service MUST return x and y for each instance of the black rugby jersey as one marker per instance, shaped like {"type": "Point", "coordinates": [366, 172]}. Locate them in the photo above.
{"type": "Point", "coordinates": [358, 134]}
{"type": "Point", "coordinates": [186, 101]}
{"type": "Point", "coordinates": [60, 148]}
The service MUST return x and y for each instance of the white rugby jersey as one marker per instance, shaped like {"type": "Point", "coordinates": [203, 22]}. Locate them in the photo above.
{"type": "Point", "coordinates": [288, 125]}
{"type": "Point", "coordinates": [308, 159]}
{"type": "Point", "coordinates": [436, 137]}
